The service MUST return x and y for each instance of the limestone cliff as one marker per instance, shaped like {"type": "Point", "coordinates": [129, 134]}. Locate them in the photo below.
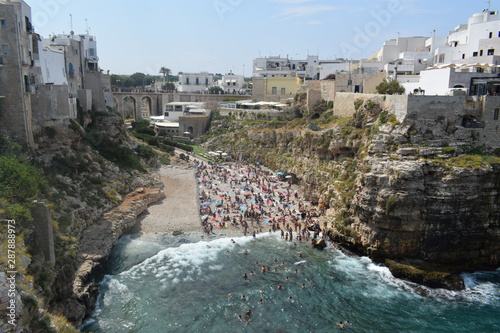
{"type": "Point", "coordinates": [92, 171]}
{"type": "Point", "coordinates": [419, 192]}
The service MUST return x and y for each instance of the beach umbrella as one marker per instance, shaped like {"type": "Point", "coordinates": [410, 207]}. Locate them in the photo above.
{"type": "Point", "coordinates": [205, 204]}
{"type": "Point", "coordinates": [280, 173]}
{"type": "Point", "coordinates": [288, 177]}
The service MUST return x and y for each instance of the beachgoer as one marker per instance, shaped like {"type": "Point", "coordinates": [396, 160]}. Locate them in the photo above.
{"type": "Point", "coordinates": [248, 315]}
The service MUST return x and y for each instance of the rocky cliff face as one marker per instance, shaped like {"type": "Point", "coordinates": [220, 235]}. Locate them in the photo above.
{"type": "Point", "coordinates": [93, 173]}
{"type": "Point", "coordinates": [416, 191]}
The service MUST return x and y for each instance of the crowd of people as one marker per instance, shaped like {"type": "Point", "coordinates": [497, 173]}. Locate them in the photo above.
{"type": "Point", "coordinates": [254, 200]}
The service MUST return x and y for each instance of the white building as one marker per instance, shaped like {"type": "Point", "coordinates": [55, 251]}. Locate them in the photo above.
{"type": "Point", "coordinates": [53, 66]}
{"type": "Point", "coordinates": [195, 82]}
{"type": "Point", "coordinates": [232, 83]}
{"type": "Point", "coordinates": [407, 56]}
{"type": "Point", "coordinates": [467, 60]}
{"type": "Point", "coordinates": [284, 67]}
{"type": "Point", "coordinates": [478, 41]}
{"type": "Point", "coordinates": [174, 110]}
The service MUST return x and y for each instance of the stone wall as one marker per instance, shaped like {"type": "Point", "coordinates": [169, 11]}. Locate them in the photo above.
{"type": "Point", "coordinates": [195, 125]}
{"type": "Point", "coordinates": [395, 104]}
{"type": "Point", "coordinates": [491, 119]}
{"type": "Point", "coordinates": [93, 82]}
{"type": "Point", "coordinates": [85, 97]}
{"type": "Point", "coordinates": [328, 90]}
{"type": "Point", "coordinates": [43, 231]}
{"type": "Point", "coordinates": [313, 84]}
{"type": "Point", "coordinates": [51, 105]}
{"type": "Point", "coordinates": [313, 97]}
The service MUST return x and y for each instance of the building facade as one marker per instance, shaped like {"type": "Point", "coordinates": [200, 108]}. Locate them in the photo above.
{"type": "Point", "coordinates": [285, 67]}
{"type": "Point", "coordinates": [42, 79]}
{"type": "Point", "coordinates": [17, 70]}
{"type": "Point", "coordinates": [477, 41]}
{"type": "Point", "coordinates": [195, 82]}
{"type": "Point", "coordinates": [231, 83]}
{"type": "Point", "coordinates": [275, 89]}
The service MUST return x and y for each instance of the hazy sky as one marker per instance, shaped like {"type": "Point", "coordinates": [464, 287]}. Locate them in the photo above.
{"type": "Point", "coordinates": [222, 35]}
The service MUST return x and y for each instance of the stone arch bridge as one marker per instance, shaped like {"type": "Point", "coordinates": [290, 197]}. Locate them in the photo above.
{"type": "Point", "coordinates": [140, 105]}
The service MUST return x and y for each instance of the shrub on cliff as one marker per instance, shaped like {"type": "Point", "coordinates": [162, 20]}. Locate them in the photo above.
{"type": "Point", "coordinates": [390, 88]}
{"type": "Point", "coordinates": [123, 156]}
{"type": "Point", "coordinates": [18, 180]}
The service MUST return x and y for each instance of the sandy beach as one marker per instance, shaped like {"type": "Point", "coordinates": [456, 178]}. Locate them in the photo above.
{"type": "Point", "coordinates": [179, 211]}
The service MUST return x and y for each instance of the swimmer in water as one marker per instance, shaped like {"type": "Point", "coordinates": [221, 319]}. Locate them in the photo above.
{"type": "Point", "coordinates": [248, 315]}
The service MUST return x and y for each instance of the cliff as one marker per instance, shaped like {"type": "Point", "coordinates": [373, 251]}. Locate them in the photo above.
{"type": "Point", "coordinates": [93, 178]}
{"type": "Point", "coordinates": [419, 192]}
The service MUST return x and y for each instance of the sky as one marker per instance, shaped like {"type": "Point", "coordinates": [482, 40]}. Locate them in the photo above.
{"type": "Point", "coordinates": [219, 36]}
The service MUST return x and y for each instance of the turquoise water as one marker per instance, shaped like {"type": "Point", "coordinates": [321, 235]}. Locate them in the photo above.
{"type": "Point", "coordinates": [182, 284]}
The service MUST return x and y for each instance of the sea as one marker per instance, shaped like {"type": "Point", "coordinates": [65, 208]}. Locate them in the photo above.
{"type": "Point", "coordinates": [194, 283]}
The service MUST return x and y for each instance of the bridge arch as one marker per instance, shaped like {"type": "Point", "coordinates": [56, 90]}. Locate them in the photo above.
{"type": "Point", "coordinates": [146, 107]}
{"type": "Point", "coordinates": [129, 107]}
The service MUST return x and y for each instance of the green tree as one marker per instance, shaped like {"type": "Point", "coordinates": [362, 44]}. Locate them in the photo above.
{"type": "Point", "coordinates": [216, 90]}
{"type": "Point", "coordinates": [390, 88]}
{"type": "Point", "coordinates": [168, 87]}
{"type": "Point", "coordinates": [166, 73]}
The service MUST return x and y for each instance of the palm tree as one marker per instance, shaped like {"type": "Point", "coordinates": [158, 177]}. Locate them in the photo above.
{"type": "Point", "coordinates": [166, 73]}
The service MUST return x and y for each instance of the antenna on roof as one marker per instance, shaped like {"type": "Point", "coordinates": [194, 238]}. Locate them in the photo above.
{"type": "Point", "coordinates": [489, 4]}
{"type": "Point", "coordinates": [87, 25]}
{"type": "Point", "coordinates": [71, 24]}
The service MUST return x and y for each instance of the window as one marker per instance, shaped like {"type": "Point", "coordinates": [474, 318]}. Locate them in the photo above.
{"type": "Point", "coordinates": [481, 53]}
{"type": "Point", "coordinates": [474, 54]}
{"type": "Point", "coordinates": [3, 24]}
{"type": "Point", "coordinates": [187, 81]}
{"type": "Point", "coordinates": [274, 90]}
{"type": "Point", "coordinates": [92, 52]}
{"type": "Point", "coordinates": [5, 50]}
{"type": "Point", "coordinates": [441, 58]}
{"type": "Point", "coordinates": [490, 35]}
{"type": "Point", "coordinates": [167, 114]}
{"type": "Point", "coordinates": [463, 56]}
{"type": "Point", "coordinates": [283, 91]}
{"type": "Point", "coordinates": [27, 83]}
{"type": "Point", "coordinates": [206, 81]}
{"type": "Point", "coordinates": [495, 115]}
{"type": "Point", "coordinates": [491, 52]}
{"type": "Point", "coordinates": [197, 81]}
